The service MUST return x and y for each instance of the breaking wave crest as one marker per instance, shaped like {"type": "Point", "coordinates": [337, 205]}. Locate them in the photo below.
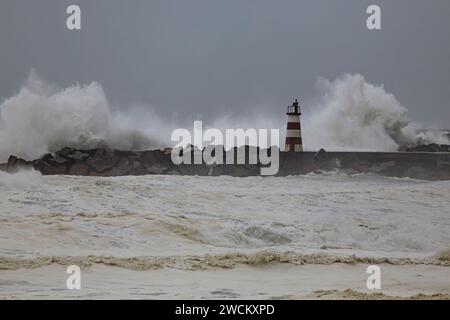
{"type": "Point", "coordinates": [355, 115]}
{"type": "Point", "coordinates": [41, 118]}
{"type": "Point", "coordinates": [444, 255]}
{"type": "Point", "coordinates": [204, 262]}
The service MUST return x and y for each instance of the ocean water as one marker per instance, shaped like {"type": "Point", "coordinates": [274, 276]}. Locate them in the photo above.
{"type": "Point", "coordinates": [216, 237]}
{"type": "Point", "coordinates": [177, 216]}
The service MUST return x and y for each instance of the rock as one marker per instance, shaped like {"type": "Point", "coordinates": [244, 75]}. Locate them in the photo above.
{"type": "Point", "coordinates": [46, 157]}
{"type": "Point", "coordinates": [79, 169]}
{"type": "Point", "coordinates": [156, 169]}
{"type": "Point", "coordinates": [103, 160]}
{"type": "Point", "coordinates": [12, 161]}
{"type": "Point", "coordinates": [148, 159]}
{"type": "Point", "coordinates": [137, 168]}
{"type": "Point", "coordinates": [237, 170]}
{"type": "Point", "coordinates": [58, 160]}
{"type": "Point", "coordinates": [65, 152]}
{"type": "Point", "coordinates": [433, 147]}
{"type": "Point", "coordinates": [99, 153]}
{"type": "Point", "coordinates": [48, 164]}
{"type": "Point", "coordinates": [78, 155]}
{"type": "Point", "coordinates": [123, 167]}
{"type": "Point", "coordinates": [21, 163]}
{"type": "Point", "coordinates": [321, 155]}
{"type": "Point", "coordinates": [216, 170]}
{"type": "Point", "coordinates": [47, 168]}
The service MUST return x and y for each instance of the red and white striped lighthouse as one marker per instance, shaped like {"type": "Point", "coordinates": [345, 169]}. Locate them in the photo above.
{"type": "Point", "coordinates": [294, 132]}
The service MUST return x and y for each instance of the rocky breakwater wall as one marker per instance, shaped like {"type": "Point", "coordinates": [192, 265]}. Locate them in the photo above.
{"type": "Point", "coordinates": [106, 162]}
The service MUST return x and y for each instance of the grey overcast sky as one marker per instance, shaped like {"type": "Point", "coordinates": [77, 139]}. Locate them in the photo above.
{"type": "Point", "coordinates": [209, 56]}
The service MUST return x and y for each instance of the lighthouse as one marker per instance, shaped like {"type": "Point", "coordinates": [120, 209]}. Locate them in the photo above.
{"type": "Point", "coordinates": [294, 133]}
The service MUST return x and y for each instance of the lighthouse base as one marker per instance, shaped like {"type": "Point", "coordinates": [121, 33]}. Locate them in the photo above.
{"type": "Point", "coordinates": [295, 148]}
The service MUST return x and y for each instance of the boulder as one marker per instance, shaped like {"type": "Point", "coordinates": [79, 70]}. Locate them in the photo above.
{"type": "Point", "coordinates": [137, 168]}
{"type": "Point", "coordinates": [21, 163]}
{"type": "Point", "coordinates": [46, 157]}
{"type": "Point", "coordinates": [156, 169]}
{"type": "Point", "coordinates": [12, 161]}
{"type": "Point", "coordinates": [65, 152]}
{"type": "Point", "coordinates": [58, 160]}
{"type": "Point", "coordinates": [78, 155]}
{"type": "Point", "coordinates": [321, 155]}
{"type": "Point", "coordinates": [79, 169]}
{"type": "Point", "coordinates": [148, 158]}
{"type": "Point", "coordinates": [47, 168]}
{"type": "Point", "coordinates": [433, 147]}
{"type": "Point", "coordinates": [123, 167]}
{"type": "Point", "coordinates": [103, 160]}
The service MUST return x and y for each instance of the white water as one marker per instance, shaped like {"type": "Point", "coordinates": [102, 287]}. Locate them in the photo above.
{"type": "Point", "coordinates": [354, 115]}
{"type": "Point", "coordinates": [41, 118]}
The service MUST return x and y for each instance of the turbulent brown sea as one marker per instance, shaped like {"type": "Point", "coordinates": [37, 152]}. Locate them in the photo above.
{"type": "Point", "coordinates": [309, 236]}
